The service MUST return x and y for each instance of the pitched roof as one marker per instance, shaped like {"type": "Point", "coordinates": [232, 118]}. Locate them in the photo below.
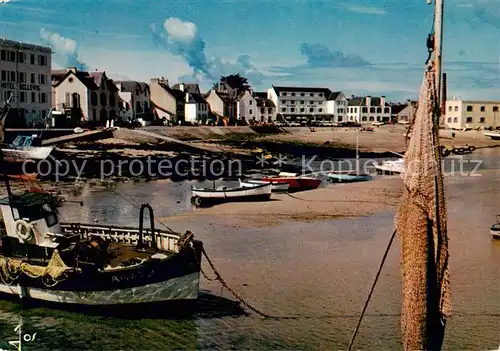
{"type": "Point", "coordinates": [325, 91]}
{"type": "Point", "coordinates": [191, 88]}
{"type": "Point", "coordinates": [260, 95]}
{"type": "Point", "coordinates": [361, 101]}
{"type": "Point", "coordinates": [131, 86]}
{"type": "Point", "coordinates": [334, 95]}
{"type": "Point", "coordinates": [265, 102]}
{"type": "Point", "coordinates": [90, 80]}
{"type": "Point", "coordinates": [196, 98]}
{"type": "Point", "coordinates": [397, 108]}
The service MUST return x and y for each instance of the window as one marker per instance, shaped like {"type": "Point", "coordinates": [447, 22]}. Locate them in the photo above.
{"type": "Point", "coordinates": [483, 108]}
{"type": "Point", "coordinates": [340, 118]}
{"type": "Point", "coordinates": [292, 109]}
{"type": "Point", "coordinates": [449, 118]}
{"type": "Point", "coordinates": [302, 102]}
{"type": "Point", "coordinates": [386, 110]}
{"type": "Point", "coordinates": [372, 119]}
{"type": "Point", "coordinates": [250, 111]}
{"type": "Point", "coordinates": [283, 109]}
{"type": "Point", "coordinates": [302, 109]}
{"type": "Point", "coordinates": [311, 94]}
{"type": "Point", "coordinates": [455, 120]}
{"type": "Point", "coordinates": [262, 110]}
{"type": "Point", "coordinates": [320, 110]}
{"type": "Point", "coordinates": [70, 79]}
{"type": "Point", "coordinates": [364, 109]}
{"type": "Point", "coordinates": [292, 102]}
{"type": "Point", "coordinates": [293, 94]}
{"type": "Point", "coordinates": [12, 56]}
{"type": "Point", "coordinates": [32, 59]}
{"type": "Point", "coordinates": [33, 97]}
{"type": "Point", "coordinates": [302, 94]}
{"type": "Point", "coordinates": [495, 108]}
{"type": "Point", "coordinates": [320, 94]}
{"type": "Point", "coordinates": [12, 76]}
{"type": "Point", "coordinates": [250, 102]}
{"type": "Point", "coordinates": [379, 109]}
{"type": "Point", "coordinates": [112, 100]}
{"type": "Point", "coordinates": [42, 60]}
{"type": "Point", "coordinates": [22, 96]}
{"type": "Point", "coordinates": [311, 110]}
{"type": "Point", "coordinates": [94, 113]}
{"type": "Point", "coordinates": [269, 110]}
{"type": "Point", "coordinates": [75, 100]}
{"type": "Point", "coordinates": [41, 79]}
{"type": "Point", "coordinates": [3, 55]}
{"type": "Point", "coordinates": [4, 76]}
{"type": "Point", "coordinates": [482, 120]}
{"type": "Point", "coordinates": [372, 109]}
{"type": "Point", "coordinates": [468, 120]}
{"type": "Point", "coordinates": [283, 94]}
{"type": "Point", "coordinates": [103, 99]}
{"type": "Point", "coordinates": [93, 98]}
{"type": "Point", "coordinates": [32, 80]}
{"type": "Point", "coordinates": [456, 108]}
{"type": "Point", "coordinates": [449, 108]}
{"type": "Point", "coordinates": [43, 98]}
{"type": "Point", "coordinates": [284, 102]}
{"type": "Point", "coordinates": [469, 108]}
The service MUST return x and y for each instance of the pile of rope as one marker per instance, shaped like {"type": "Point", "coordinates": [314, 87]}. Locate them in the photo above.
{"type": "Point", "coordinates": [11, 269]}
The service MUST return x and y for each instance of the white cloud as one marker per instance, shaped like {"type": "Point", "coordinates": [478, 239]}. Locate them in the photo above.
{"type": "Point", "coordinates": [57, 42]}
{"type": "Point", "coordinates": [366, 10]}
{"type": "Point", "coordinates": [178, 29]}
{"type": "Point", "coordinates": [140, 66]}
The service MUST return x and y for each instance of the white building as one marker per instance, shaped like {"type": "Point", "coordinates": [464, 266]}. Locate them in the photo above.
{"type": "Point", "coordinates": [368, 109]}
{"type": "Point", "coordinates": [136, 96]}
{"type": "Point", "coordinates": [336, 106]}
{"type": "Point", "coordinates": [471, 113]}
{"type": "Point", "coordinates": [25, 73]}
{"type": "Point", "coordinates": [301, 103]}
{"type": "Point", "coordinates": [91, 95]}
{"type": "Point", "coordinates": [246, 107]}
{"type": "Point", "coordinates": [265, 107]}
{"type": "Point", "coordinates": [196, 108]}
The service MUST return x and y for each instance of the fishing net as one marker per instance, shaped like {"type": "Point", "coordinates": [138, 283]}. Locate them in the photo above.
{"type": "Point", "coordinates": [421, 225]}
{"type": "Point", "coordinates": [11, 268]}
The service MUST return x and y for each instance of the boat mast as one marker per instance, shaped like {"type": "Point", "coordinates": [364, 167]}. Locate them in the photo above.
{"type": "Point", "coordinates": [3, 116]}
{"type": "Point", "coordinates": [438, 51]}
{"type": "Point", "coordinates": [357, 152]}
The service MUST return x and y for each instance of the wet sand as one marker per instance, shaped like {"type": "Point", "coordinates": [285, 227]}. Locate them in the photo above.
{"type": "Point", "coordinates": [382, 139]}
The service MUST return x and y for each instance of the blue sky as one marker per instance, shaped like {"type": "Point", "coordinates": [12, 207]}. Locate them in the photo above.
{"type": "Point", "coordinates": [358, 46]}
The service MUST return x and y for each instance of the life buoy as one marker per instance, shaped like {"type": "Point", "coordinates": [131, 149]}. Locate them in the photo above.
{"type": "Point", "coordinates": [24, 230]}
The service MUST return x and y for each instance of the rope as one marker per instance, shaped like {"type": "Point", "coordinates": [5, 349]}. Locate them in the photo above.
{"type": "Point", "coordinates": [360, 201]}
{"type": "Point", "coordinates": [224, 284]}
{"type": "Point", "coordinates": [371, 290]}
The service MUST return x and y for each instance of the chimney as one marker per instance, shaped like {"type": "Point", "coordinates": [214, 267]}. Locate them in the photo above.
{"type": "Point", "coordinates": [368, 100]}
{"type": "Point", "coordinates": [382, 101]}
{"type": "Point", "coordinates": [181, 87]}
{"type": "Point", "coordinates": [187, 94]}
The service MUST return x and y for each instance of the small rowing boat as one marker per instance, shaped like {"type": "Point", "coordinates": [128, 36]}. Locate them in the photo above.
{"type": "Point", "coordinates": [275, 186]}
{"type": "Point", "coordinates": [295, 183]}
{"type": "Point", "coordinates": [391, 167]}
{"type": "Point", "coordinates": [206, 196]}
{"type": "Point", "coordinates": [348, 176]}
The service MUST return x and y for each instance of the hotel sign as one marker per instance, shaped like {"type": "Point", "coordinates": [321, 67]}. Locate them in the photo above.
{"type": "Point", "coordinates": [27, 87]}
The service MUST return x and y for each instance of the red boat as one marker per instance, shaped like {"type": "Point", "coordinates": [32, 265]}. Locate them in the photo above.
{"type": "Point", "coordinates": [296, 183]}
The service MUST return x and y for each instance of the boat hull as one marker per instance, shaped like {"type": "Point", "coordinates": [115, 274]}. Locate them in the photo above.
{"type": "Point", "coordinates": [21, 154]}
{"type": "Point", "coordinates": [348, 178]}
{"type": "Point", "coordinates": [296, 183]}
{"type": "Point", "coordinates": [495, 231]}
{"type": "Point", "coordinates": [492, 135]}
{"type": "Point", "coordinates": [257, 192]}
{"type": "Point", "coordinates": [275, 187]}
{"type": "Point", "coordinates": [156, 280]}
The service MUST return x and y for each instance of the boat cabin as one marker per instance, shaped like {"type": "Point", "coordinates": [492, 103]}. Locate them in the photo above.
{"type": "Point", "coordinates": [31, 218]}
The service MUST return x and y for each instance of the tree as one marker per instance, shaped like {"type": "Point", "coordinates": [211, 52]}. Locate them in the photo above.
{"type": "Point", "coordinates": [236, 81]}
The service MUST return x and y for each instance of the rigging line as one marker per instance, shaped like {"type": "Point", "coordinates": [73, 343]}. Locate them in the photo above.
{"type": "Point", "coordinates": [371, 290]}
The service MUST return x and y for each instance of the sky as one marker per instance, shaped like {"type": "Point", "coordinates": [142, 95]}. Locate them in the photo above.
{"type": "Point", "coordinates": [359, 47]}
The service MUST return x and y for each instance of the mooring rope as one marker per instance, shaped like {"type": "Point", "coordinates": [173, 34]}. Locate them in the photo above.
{"type": "Point", "coordinates": [371, 290]}
{"type": "Point", "coordinates": [219, 278]}
{"type": "Point", "coordinates": [360, 201]}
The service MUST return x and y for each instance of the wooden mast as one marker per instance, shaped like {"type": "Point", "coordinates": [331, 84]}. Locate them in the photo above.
{"type": "Point", "coordinates": [438, 51]}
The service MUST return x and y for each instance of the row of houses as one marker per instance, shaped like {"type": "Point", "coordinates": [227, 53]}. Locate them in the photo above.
{"type": "Point", "coordinates": [92, 98]}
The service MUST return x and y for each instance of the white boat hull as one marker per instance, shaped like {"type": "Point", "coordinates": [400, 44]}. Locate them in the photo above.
{"type": "Point", "coordinates": [242, 192]}
{"type": "Point", "coordinates": [22, 154]}
{"type": "Point", "coordinates": [390, 167]}
{"type": "Point", "coordinates": [492, 135]}
{"type": "Point", "coordinates": [180, 288]}
{"type": "Point", "coordinates": [276, 187]}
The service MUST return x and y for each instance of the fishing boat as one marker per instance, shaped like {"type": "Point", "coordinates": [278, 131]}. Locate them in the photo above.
{"type": "Point", "coordinates": [296, 183]}
{"type": "Point", "coordinates": [208, 196]}
{"type": "Point", "coordinates": [350, 176]}
{"type": "Point", "coordinates": [275, 186]}
{"type": "Point", "coordinates": [22, 149]}
{"type": "Point", "coordinates": [495, 229]}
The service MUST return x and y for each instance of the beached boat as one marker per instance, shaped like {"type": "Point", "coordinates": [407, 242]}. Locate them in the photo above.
{"type": "Point", "coordinates": [13, 153]}
{"type": "Point", "coordinates": [495, 229]}
{"type": "Point", "coordinates": [492, 135]}
{"type": "Point", "coordinates": [390, 167]}
{"type": "Point", "coordinates": [295, 183]}
{"type": "Point", "coordinates": [348, 176]}
{"type": "Point", "coordinates": [206, 196]}
{"type": "Point", "coordinates": [275, 186]}
{"type": "Point", "coordinates": [89, 264]}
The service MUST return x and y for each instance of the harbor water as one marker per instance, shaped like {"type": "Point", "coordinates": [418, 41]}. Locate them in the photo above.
{"type": "Point", "coordinates": [313, 276]}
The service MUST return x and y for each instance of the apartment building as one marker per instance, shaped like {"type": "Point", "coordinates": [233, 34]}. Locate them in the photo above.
{"type": "Point", "coordinates": [25, 74]}
{"type": "Point", "coordinates": [471, 113]}
{"type": "Point", "coordinates": [368, 109]}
